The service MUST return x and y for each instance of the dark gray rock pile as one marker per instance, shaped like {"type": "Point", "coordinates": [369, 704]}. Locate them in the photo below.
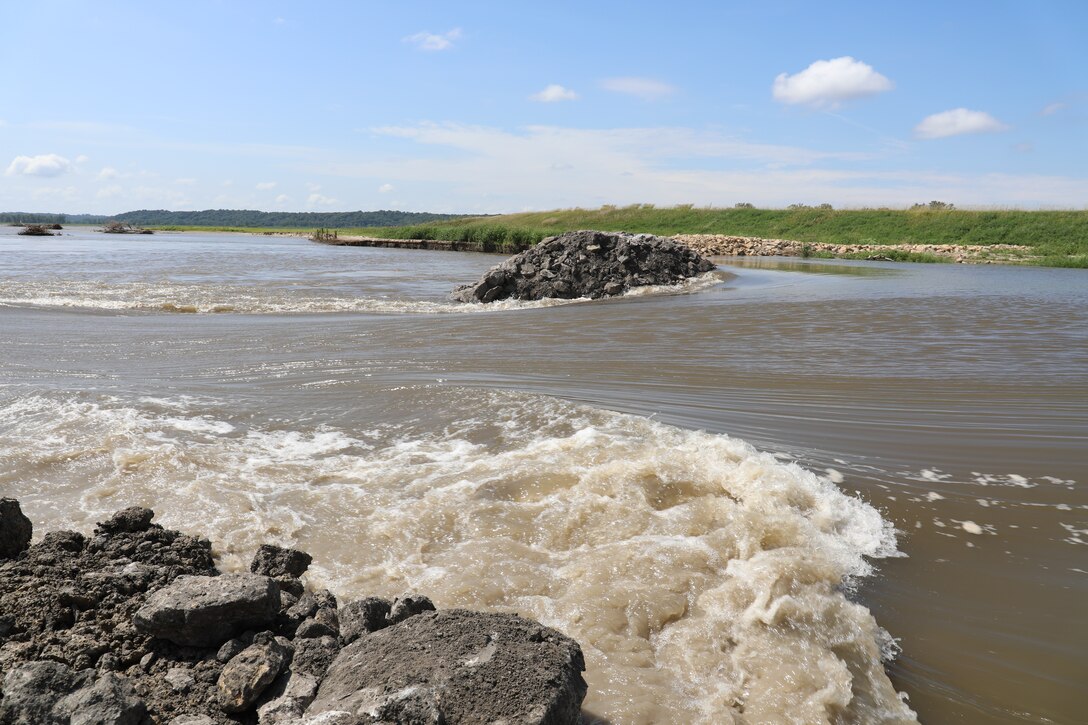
{"type": "Point", "coordinates": [586, 264]}
{"type": "Point", "coordinates": [135, 626]}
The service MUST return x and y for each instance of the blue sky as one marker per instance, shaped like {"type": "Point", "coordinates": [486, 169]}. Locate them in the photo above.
{"type": "Point", "coordinates": [507, 106]}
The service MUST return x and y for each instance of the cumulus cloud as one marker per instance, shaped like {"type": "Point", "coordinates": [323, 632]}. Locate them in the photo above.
{"type": "Point", "coordinates": [282, 199]}
{"type": "Point", "coordinates": [266, 185]}
{"type": "Point", "coordinates": [647, 89]}
{"type": "Point", "coordinates": [45, 165]}
{"type": "Point", "coordinates": [320, 200]}
{"type": "Point", "coordinates": [108, 172]}
{"type": "Point", "coordinates": [957, 122]}
{"type": "Point", "coordinates": [385, 188]}
{"type": "Point", "coordinates": [1053, 108]}
{"type": "Point", "coordinates": [426, 40]}
{"type": "Point", "coordinates": [82, 159]}
{"type": "Point", "coordinates": [827, 83]}
{"type": "Point", "coordinates": [553, 93]}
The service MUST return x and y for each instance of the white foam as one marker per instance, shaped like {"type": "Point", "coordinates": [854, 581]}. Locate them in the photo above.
{"type": "Point", "coordinates": [703, 578]}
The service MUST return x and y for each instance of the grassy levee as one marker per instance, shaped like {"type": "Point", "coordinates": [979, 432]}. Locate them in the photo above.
{"type": "Point", "coordinates": [1057, 238]}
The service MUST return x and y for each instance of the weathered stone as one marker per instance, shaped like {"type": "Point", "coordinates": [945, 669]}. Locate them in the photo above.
{"type": "Point", "coordinates": [109, 701]}
{"type": "Point", "coordinates": [586, 264]}
{"type": "Point", "coordinates": [362, 617]}
{"type": "Point", "coordinates": [192, 720]}
{"type": "Point", "coordinates": [180, 679]}
{"type": "Point", "coordinates": [203, 611]}
{"type": "Point", "coordinates": [444, 667]}
{"type": "Point", "coordinates": [63, 541]}
{"type": "Point", "coordinates": [313, 656]}
{"type": "Point", "coordinates": [229, 649]}
{"type": "Point", "coordinates": [32, 689]}
{"type": "Point", "coordinates": [408, 606]}
{"type": "Point", "coordinates": [311, 628]}
{"type": "Point", "coordinates": [248, 674]}
{"type": "Point", "coordinates": [288, 698]}
{"type": "Point", "coordinates": [15, 529]}
{"type": "Point", "coordinates": [275, 561]}
{"type": "Point", "coordinates": [132, 520]}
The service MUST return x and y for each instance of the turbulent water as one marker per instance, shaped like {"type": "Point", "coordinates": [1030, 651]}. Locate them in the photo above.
{"type": "Point", "coordinates": [785, 492]}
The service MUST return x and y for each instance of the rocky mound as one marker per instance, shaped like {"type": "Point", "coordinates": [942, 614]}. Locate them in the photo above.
{"type": "Point", "coordinates": [135, 626]}
{"type": "Point", "coordinates": [586, 264]}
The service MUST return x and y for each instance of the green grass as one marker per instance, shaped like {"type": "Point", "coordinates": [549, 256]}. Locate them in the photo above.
{"type": "Point", "coordinates": [1055, 236]}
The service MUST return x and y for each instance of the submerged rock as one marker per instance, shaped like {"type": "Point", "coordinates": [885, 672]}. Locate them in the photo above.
{"type": "Point", "coordinates": [586, 264]}
{"type": "Point", "coordinates": [456, 666]}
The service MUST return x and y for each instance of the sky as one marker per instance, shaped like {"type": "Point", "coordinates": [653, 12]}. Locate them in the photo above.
{"type": "Point", "coordinates": [490, 107]}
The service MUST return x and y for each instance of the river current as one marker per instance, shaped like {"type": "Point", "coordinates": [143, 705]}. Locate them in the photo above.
{"type": "Point", "coordinates": [792, 491]}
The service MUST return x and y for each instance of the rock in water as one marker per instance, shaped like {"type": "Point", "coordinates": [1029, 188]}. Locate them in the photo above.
{"type": "Point", "coordinates": [586, 264]}
{"type": "Point", "coordinates": [15, 529]}
{"type": "Point", "coordinates": [457, 666]}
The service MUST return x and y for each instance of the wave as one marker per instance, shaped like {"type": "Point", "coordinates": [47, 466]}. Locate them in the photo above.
{"type": "Point", "coordinates": [170, 297]}
{"type": "Point", "coordinates": [705, 580]}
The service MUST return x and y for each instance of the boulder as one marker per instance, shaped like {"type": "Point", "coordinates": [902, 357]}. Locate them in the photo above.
{"type": "Point", "coordinates": [275, 561]}
{"type": "Point", "coordinates": [455, 666]}
{"type": "Point", "coordinates": [205, 611]}
{"type": "Point", "coordinates": [249, 674]}
{"type": "Point", "coordinates": [132, 520]}
{"type": "Point", "coordinates": [363, 616]}
{"type": "Point", "coordinates": [408, 606]}
{"type": "Point", "coordinates": [15, 529]}
{"type": "Point", "coordinates": [109, 701]}
{"type": "Point", "coordinates": [586, 264]}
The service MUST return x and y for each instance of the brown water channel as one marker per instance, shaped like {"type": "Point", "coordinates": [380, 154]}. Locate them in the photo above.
{"type": "Point", "coordinates": [589, 464]}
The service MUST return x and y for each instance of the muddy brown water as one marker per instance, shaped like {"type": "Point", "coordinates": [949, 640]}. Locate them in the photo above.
{"type": "Point", "coordinates": [796, 491]}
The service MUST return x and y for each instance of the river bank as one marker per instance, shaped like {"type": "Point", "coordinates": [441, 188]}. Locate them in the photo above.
{"type": "Point", "coordinates": [720, 245]}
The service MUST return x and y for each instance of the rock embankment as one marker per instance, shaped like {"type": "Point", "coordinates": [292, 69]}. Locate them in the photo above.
{"type": "Point", "coordinates": [715, 245]}
{"type": "Point", "coordinates": [136, 626]}
{"type": "Point", "coordinates": [586, 264]}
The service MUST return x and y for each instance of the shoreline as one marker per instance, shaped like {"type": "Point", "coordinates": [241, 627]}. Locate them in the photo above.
{"type": "Point", "coordinates": [723, 245]}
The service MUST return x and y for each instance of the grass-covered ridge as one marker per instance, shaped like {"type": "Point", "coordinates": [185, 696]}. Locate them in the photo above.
{"type": "Point", "coordinates": [1058, 238]}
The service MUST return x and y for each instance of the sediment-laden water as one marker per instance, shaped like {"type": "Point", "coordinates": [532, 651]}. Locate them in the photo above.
{"type": "Point", "coordinates": [787, 492]}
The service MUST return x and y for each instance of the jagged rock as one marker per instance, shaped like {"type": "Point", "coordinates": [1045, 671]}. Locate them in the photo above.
{"type": "Point", "coordinates": [288, 698]}
{"type": "Point", "coordinates": [15, 529]}
{"type": "Point", "coordinates": [204, 611]}
{"type": "Point", "coordinates": [192, 720]}
{"type": "Point", "coordinates": [132, 520]}
{"type": "Point", "coordinates": [408, 606]}
{"type": "Point", "coordinates": [229, 650]}
{"type": "Point", "coordinates": [362, 617]}
{"type": "Point", "coordinates": [109, 701]}
{"type": "Point", "coordinates": [275, 561]}
{"type": "Point", "coordinates": [311, 628]}
{"type": "Point", "coordinates": [446, 666]}
{"type": "Point", "coordinates": [586, 264]}
{"type": "Point", "coordinates": [31, 689]}
{"type": "Point", "coordinates": [313, 656]}
{"type": "Point", "coordinates": [249, 673]}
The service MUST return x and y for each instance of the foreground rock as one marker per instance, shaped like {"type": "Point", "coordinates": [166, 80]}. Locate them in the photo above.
{"type": "Point", "coordinates": [135, 626]}
{"type": "Point", "coordinates": [456, 666]}
{"type": "Point", "coordinates": [586, 264]}
{"type": "Point", "coordinates": [15, 529]}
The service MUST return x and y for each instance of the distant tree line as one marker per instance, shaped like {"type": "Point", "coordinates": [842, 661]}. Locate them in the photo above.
{"type": "Point", "coordinates": [251, 218]}
{"type": "Point", "coordinates": [236, 218]}
{"type": "Point", "coordinates": [23, 217]}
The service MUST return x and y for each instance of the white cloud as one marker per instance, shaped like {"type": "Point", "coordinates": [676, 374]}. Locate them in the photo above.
{"type": "Point", "coordinates": [1053, 108]}
{"type": "Point", "coordinates": [385, 188]}
{"type": "Point", "coordinates": [313, 187]}
{"type": "Point", "coordinates": [553, 93]}
{"type": "Point", "coordinates": [826, 83]}
{"type": "Point", "coordinates": [282, 199]}
{"type": "Point", "coordinates": [44, 165]}
{"type": "Point", "coordinates": [426, 40]}
{"type": "Point", "coordinates": [279, 21]}
{"type": "Point", "coordinates": [320, 200]}
{"type": "Point", "coordinates": [957, 122]}
{"type": "Point", "coordinates": [185, 181]}
{"type": "Point", "coordinates": [109, 192]}
{"type": "Point", "coordinates": [266, 185]}
{"type": "Point", "coordinates": [647, 89]}
{"type": "Point", "coordinates": [108, 172]}
{"type": "Point", "coordinates": [82, 159]}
